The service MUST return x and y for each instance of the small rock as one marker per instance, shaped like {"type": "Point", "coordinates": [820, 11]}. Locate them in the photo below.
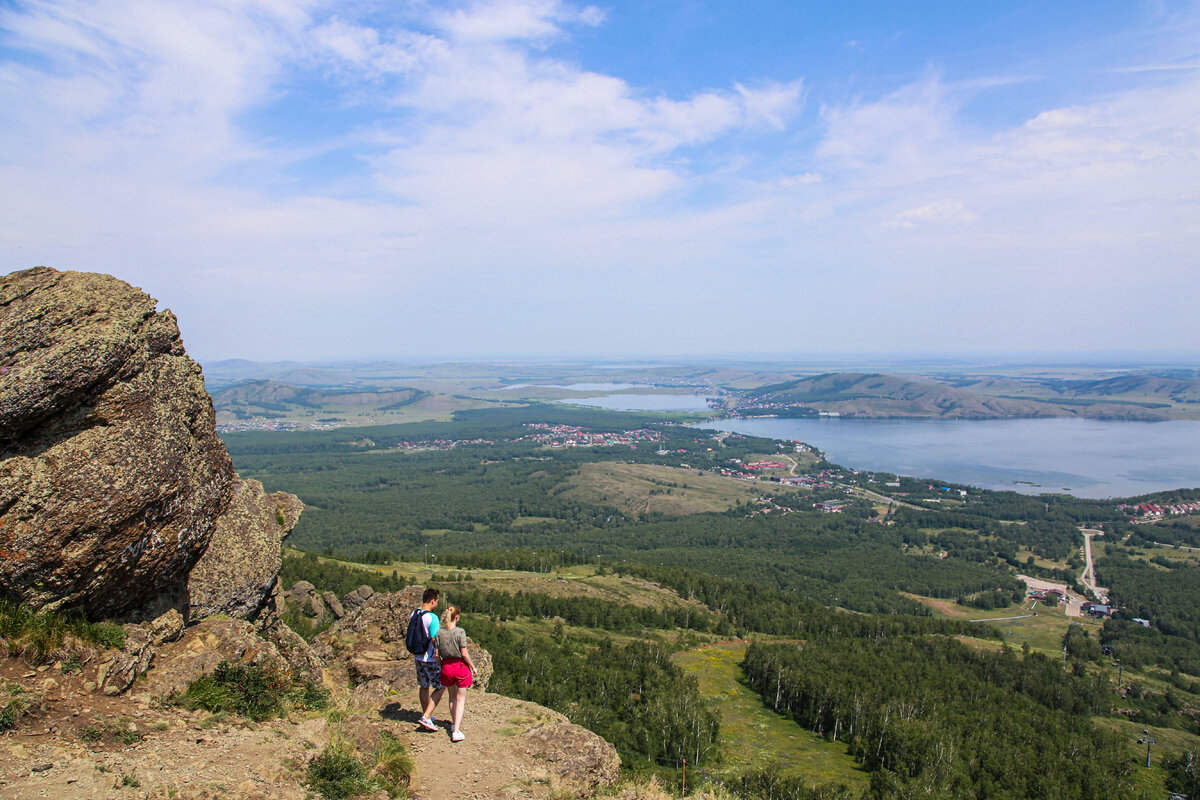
{"type": "Point", "coordinates": [334, 604]}
{"type": "Point", "coordinates": [41, 767]}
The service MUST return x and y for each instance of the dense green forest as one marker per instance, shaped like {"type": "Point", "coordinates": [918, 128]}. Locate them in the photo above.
{"type": "Point", "coordinates": [631, 694]}
{"type": "Point", "coordinates": [932, 718]}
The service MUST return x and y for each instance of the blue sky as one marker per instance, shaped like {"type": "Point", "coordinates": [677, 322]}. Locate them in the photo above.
{"type": "Point", "coordinates": [315, 180]}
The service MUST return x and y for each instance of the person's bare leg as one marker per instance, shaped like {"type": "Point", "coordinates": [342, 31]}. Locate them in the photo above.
{"type": "Point", "coordinates": [454, 698]}
{"type": "Point", "coordinates": [429, 701]}
{"type": "Point", "coordinates": [457, 712]}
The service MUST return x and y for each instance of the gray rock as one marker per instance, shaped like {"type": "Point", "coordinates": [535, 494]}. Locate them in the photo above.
{"type": "Point", "coordinates": [141, 643]}
{"type": "Point", "coordinates": [237, 573]}
{"type": "Point", "coordinates": [334, 604]}
{"type": "Point", "coordinates": [111, 473]}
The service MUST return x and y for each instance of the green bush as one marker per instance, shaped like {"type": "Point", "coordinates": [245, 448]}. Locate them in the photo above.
{"type": "Point", "coordinates": [393, 765]}
{"type": "Point", "coordinates": [11, 709]}
{"type": "Point", "coordinates": [336, 774]}
{"type": "Point", "coordinates": [257, 691]}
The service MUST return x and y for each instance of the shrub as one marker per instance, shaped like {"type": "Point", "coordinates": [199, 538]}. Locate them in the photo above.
{"type": "Point", "coordinates": [393, 764]}
{"type": "Point", "coordinates": [257, 691]}
{"type": "Point", "coordinates": [11, 709]}
{"type": "Point", "coordinates": [336, 774]}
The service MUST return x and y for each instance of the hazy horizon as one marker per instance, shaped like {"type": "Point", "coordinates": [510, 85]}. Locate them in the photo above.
{"type": "Point", "coordinates": [1114, 360]}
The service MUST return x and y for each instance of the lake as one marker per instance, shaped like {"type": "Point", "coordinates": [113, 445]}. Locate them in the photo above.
{"type": "Point", "coordinates": [1086, 458]}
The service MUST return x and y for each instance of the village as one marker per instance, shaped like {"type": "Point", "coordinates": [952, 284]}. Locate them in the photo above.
{"type": "Point", "coordinates": [1149, 511]}
{"type": "Point", "coordinates": [550, 435]}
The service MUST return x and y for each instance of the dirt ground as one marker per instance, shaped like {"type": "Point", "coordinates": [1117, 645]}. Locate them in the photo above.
{"type": "Point", "coordinates": [76, 743]}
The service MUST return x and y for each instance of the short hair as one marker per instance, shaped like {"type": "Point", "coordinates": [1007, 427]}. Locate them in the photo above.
{"type": "Point", "coordinates": [430, 594]}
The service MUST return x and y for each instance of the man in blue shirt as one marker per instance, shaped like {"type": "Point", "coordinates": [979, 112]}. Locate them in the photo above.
{"type": "Point", "coordinates": [429, 671]}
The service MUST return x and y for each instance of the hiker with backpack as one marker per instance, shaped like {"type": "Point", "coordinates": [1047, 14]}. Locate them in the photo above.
{"type": "Point", "coordinates": [423, 626]}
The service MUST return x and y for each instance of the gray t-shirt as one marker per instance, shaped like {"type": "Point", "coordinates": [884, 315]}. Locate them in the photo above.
{"type": "Point", "coordinates": [450, 642]}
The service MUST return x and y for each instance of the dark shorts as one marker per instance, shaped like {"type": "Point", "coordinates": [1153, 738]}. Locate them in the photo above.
{"type": "Point", "coordinates": [429, 674]}
{"type": "Point", "coordinates": [455, 672]}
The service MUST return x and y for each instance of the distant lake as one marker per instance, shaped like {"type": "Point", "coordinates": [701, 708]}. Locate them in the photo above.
{"type": "Point", "coordinates": [1086, 458]}
{"type": "Point", "coordinates": [644, 402]}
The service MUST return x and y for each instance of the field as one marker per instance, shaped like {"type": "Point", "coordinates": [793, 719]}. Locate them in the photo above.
{"type": "Point", "coordinates": [650, 488]}
{"type": "Point", "coordinates": [1037, 625]}
{"type": "Point", "coordinates": [755, 736]}
{"type": "Point", "coordinates": [575, 581]}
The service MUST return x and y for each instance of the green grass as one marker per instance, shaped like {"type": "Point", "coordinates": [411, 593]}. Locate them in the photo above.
{"type": "Point", "coordinates": [755, 737]}
{"type": "Point", "coordinates": [337, 773]}
{"type": "Point", "coordinates": [37, 635]}
{"type": "Point", "coordinates": [642, 488]}
{"type": "Point", "coordinates": [13, 704]}
{"type": "Point", "coordinates": [257, 691]}
{"type": "Point", "coordinates": [1151, 781]}
{"type": "Point", "coordinates": [1042, 632]}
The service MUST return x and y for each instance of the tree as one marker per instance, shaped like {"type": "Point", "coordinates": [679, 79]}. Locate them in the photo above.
{"type": "Point", "coordinates": [1183, 773]}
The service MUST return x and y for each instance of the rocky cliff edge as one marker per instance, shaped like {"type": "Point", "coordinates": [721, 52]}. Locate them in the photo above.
{"type": "Point", "coordinates": [113, 482]}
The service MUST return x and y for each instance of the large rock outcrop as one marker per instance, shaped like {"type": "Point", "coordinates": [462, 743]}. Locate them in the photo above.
{"type": "Point", "coordinates": [237, 572]}
{"type": "Point", "coordinates": [116, 495]}
{"type": "Point", "coordinates": [111, 473]}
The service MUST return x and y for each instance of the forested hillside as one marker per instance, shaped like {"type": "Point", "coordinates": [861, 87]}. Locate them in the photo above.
{"type": "Point", "coordinates": [498, 491]}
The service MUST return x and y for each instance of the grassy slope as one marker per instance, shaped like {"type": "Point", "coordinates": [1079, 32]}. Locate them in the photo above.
{"type": "Point", "coordinates": [629, 487]}
{"type": "Point", "coordinates": [755, 736]}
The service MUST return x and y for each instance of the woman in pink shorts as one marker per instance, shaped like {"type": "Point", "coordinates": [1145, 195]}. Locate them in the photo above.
{"type": "Point", "coordinates": [457, 667]}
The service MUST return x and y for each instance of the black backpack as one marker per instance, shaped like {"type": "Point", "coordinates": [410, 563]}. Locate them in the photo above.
{"type": "Point", "coordinates": [417, 639]}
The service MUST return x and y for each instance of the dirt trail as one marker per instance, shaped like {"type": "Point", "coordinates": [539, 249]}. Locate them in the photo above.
{"type": "Point", "coordinates": [76, 743]}
{"type": "Point", "coordinates": [487, 764]}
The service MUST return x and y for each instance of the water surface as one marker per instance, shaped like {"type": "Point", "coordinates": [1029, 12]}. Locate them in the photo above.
{"type": "Point", "coordinates": [1087, 458]}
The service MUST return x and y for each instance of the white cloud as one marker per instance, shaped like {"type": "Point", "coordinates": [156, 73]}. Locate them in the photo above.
{"type": "Point", "coordinates": [803, 179]}
{"type": "Point", "coordinates": [944, 212]}
{"type": "Point", "coordinates": [501, 20]}
{"type": "Point", "coordinates": [487, 173]}
{"type": "Point", "coordinates": [366, 54]}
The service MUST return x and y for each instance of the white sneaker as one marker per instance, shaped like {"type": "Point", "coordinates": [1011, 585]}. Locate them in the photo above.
{"type": "Point", "coordinates": [427, 724]}
{"type": "Point", "coordinates": [457, 736]}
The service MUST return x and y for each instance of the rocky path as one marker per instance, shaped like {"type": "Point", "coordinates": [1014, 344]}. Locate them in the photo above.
{"type": "Point", "coordinates": [78, 743]}
{"type": "Point", "coordinates": [490, 763]}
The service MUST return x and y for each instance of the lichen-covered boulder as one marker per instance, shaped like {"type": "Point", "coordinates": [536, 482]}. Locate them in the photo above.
{"type": "Point", "coordinates": [577, 755]}
{"type": "Point", "coordinates": [238, 571]}
{"type": "Point", "coordinates": [111, 473]}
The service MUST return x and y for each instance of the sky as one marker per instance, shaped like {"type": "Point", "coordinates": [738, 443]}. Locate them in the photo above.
{"type": "Point", "coordinates": [311, 180]}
